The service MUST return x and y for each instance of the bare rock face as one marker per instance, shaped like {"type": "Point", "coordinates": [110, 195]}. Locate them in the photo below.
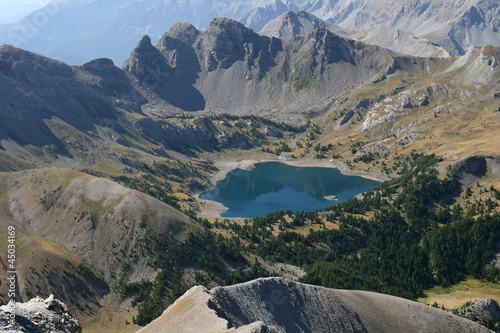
{"type": "Point", "coordinates": [277, 305]}
{"type": "Point", "coordinates": [273, 132]}
{"type": "Point", "coordinates": [231, 41]}
{"type": "Point", "coordinates": [481, 309]}
{"type": "Point", "coordinates": [38, 315]}
{"type": "Point", "coordinates": [476, 166]}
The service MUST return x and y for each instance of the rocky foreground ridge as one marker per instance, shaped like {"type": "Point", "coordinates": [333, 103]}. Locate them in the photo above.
{"type": "Point", "coordinates": [275, 305]}
{"type": "Point", "coordinates": [39, 315]}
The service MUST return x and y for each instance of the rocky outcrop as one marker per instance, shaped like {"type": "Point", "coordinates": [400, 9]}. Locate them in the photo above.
{"type": "Point", "coordinates": [474, 165]}
{"type": "Point", "coordinates": [481, 309]}
{"type": "Point", "coordinates": [409, 138]}
{"type": "Point", "coordinates": [494, 166]}
{"type": "Point", "coordinates": [147, 63]}
{"type": "Point", "coordinates": [253, 123]}
{"type": "Point", "coordinates": [236, 140]}
{"type": "Point", "coordinates": [279, 305]}
{"type": "Point", "coordinates": [273, 132]}
{"type": "Point", "coordinates": [392, 108]}
{"type": "Point", "coordinates": [345, 119]}
{"type": "Point", "coordinates": [99, 65]}
{"type": "Point", "coordinates": [38, 315]}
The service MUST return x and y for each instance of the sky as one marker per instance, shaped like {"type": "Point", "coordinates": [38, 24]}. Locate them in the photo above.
{"type": "Point", "coordinates": [12, 11]}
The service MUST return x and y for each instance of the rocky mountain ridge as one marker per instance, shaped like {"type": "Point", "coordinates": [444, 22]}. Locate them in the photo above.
{"type": "Point", "coordinates": [270, 75]}
{"type": "Point", "coordinates": [117, 25]}
{"type": "Point", "coordinates": [280, 305]}
{"type": "Point", "coordinates": [453, 25]}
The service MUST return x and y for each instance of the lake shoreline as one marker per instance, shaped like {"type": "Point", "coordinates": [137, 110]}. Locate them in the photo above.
{"type": "Point", "coordinates": [212, 209]}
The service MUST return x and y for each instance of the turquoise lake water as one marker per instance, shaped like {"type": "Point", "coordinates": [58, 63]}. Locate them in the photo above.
{"type": "Point", "coordinates": [277, 186]}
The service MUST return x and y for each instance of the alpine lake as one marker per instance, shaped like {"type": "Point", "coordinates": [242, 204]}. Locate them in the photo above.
{"type": "Point", "coordinates": [274, 186]}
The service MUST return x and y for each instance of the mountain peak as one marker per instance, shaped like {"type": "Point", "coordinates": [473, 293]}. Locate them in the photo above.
{"type": "Point", "coordinates": [102, 64]}
{"type": "Point", "coordinates": [289, 14]}
{"type": "Point", "coordinates": [320, 33]}
{"type": "Point", "coordinates": [226, 23]}
{"type": "Point", "coordinates": [146, 61]}
{"type": "Point", "coordinates": [145, 41]}
{"type": "Point", "coordinates": [185, 32]}
{"type": "Point", "coordinates": [291, 24]}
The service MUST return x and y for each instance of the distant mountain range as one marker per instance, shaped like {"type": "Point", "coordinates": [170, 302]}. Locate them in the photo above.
{"type": "Point", "coordinates": [78, 31]}
{"type": "Point", "coordinates": [290, 24]}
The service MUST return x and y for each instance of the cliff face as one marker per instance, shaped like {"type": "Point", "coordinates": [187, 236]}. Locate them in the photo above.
{"type": "Point", "coordinates": [280, 305]}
